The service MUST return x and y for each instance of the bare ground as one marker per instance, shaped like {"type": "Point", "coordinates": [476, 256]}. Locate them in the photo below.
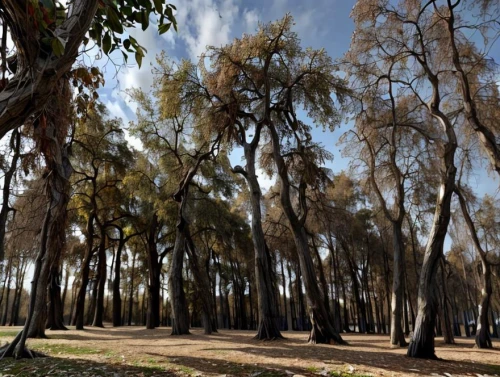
{"type": "Point", "coordinates": [235, 353]}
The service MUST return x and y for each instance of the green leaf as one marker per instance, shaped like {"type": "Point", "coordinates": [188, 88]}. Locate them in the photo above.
{"type": "Point", "coordinates": [126, 44]}
{"type": "Point", "coordinates": [127, 11]}
{"type": "Point", "coordinates": [145, 19]}
{"type": "Point", "coordinates": [164, 28]}
{"type": "Point", "coordinates": [57, 45]}
{"type": "Point", "coordinates": [114, 20]}
{"type": "Point", "coordinates": [138, 58]}
{"type": "Point", "coordinates": [106, 43]}
{"type": "Point", "coordinates": [159, 6]}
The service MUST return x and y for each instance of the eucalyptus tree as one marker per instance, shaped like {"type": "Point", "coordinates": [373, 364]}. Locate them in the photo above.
{"type": "Point", "coordinates": [235, 85]}
{"type": "Point", "coordinates": [299, 78]}
{"type": "Point", "coordinates": [101, 158]}
{"type": "Point", "coordinates": [387, 142]}
{"type": "Point", "coordinates": [181, 128]}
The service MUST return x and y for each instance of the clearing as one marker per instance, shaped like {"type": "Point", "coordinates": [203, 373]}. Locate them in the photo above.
{"type": "Point", "coordinates": [135, 351]}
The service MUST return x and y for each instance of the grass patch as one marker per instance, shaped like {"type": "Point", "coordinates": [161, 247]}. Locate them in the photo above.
{"type": "Point", "coordinates": [72, 368]}
{"type": "Point", "coordinates": [66, 349]}
{"type": "Point", "coordinates": [9, 333]}
{"type": "Point", "coordinates": [347, 374]}
{"type": "Point", "coordinates": [494, 369]}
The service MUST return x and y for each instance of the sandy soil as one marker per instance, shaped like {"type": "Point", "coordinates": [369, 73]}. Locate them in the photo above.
{"type": "Point", "coordinates": [233, 352]}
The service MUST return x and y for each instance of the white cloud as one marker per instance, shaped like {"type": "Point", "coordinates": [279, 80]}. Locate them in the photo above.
{"type": "Point", "coordinates": [205, 23]}
{"type": "Point", "coordinates": [251, 18]}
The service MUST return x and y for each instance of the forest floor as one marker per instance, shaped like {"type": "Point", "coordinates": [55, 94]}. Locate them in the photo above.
{"type": "Point", "coordinates": [134, 351]}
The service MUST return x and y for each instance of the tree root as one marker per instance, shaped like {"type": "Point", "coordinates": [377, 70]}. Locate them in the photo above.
{"type": "Point", "coordinates": [268, 330]}
{"type": "Point", "coordinates": [9, 350]}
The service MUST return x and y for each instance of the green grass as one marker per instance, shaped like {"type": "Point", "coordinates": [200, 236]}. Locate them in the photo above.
{"type": "Point", "coordinates": [494, 369]}
{"type": "Point", "coordinates": [59, 349]}
{"type": "Point", "coordinates": [312, 369]}
{"type": "Point", "coordinates": [347, 374]}
{"type": "Point", "coordinates": [9, 333]}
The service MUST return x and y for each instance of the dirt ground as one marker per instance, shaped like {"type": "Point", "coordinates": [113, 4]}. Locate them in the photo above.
{"type": "Point", "coordinates": [235, 353]}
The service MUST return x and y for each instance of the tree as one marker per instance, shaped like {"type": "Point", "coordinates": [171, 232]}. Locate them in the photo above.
{"type": "Point", "coordinates": [47, 38]}
{"type": "Point", "coordinates": [101, 158]}
{"type": "Point", "coordinates": [487, 217]}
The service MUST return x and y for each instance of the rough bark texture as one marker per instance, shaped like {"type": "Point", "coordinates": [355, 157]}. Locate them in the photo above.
{"type": "Point", "coordinates": [59, 170]}
{"type": "Point", "coordinates": [397, 334]}
{"type": "Point", "coordinates": [15, 144]}
{"type": "Point", "coordinates": [180, 312]}
{"type": "Point", "coordinates": [117, 300]}
{"type": "Point", "coordinates": [38, 72]}
{"type": "Point", "coordinates": [55, 320]}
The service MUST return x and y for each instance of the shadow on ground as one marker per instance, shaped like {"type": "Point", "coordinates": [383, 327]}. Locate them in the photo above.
{"type": "Point", "coordinates": [62, 367]}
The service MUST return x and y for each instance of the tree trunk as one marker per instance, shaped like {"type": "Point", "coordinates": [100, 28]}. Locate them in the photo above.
{"type": "Point", "coordinates": [85, 272]}
{"type": "Point", "coordinates": [102, 277]}
{"type": "Point", "coordinates": [397, 334]}
{"type": "Point", "coordinates": [117, 300]}
{"type": "Point", "coordinates": [202, 282]}
{"type": "Point", "coordinates": [483, 339]}
{"type": "Point", "coordinates": [268, 328]}
{"type": "Point", "coordinates": [131, 295]}
{"type": "Point", "coordinates": [65, 290]}
{"type": "Point", "coordinates": [58, 194]}
{"type": "Point", "coordinates": [154, 272]}
{"type": "Point", "coordinates": [15, 143]}
{"type": "Point", "coordinates": [55, 319]}
{"type": "Point", "coordinates": [8, 281]}
{"type": "Point", "coordinates": [180, 312]}
{"type": "Point", "coordinates": [446, 322]}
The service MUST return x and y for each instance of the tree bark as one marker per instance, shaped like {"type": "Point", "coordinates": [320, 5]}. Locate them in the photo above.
{"type": "Point", "coordinates": [79, 318]}
{"type": "Point", "coordinates": [180, 312]}
{"type": "Point", "coordinates": [397, 334]}
{"type": "Point", "coordinates": [102, 275]}
{"type": "Point", "coordinates": [15, 144]}
{"type": "Point", "coordinates": [38, 73]}
{"type": "Point", "coordinates": [154, 272]}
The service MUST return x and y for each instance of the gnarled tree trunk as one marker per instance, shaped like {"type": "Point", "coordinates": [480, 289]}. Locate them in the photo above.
{"type": "Point", "coordinates": [268, 327]}
{"type": "Point", "coordinates": [323, 330]}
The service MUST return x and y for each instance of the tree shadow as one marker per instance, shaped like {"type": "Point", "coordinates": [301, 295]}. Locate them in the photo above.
{"type": "Point", "coordinates": [62, 367]}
